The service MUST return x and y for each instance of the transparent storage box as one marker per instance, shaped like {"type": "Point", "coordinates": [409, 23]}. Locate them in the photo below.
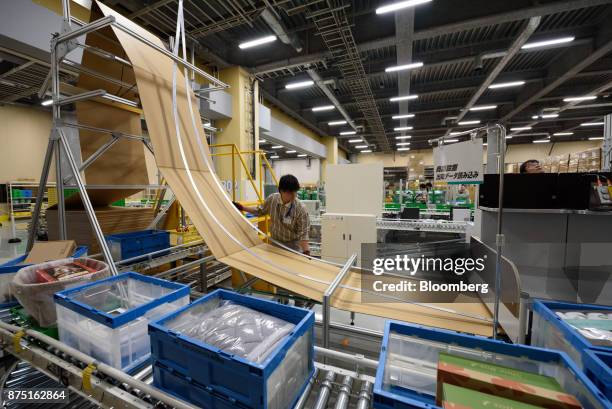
{"type": "Point", "coordinates": [108, 319]}
{"type": "Point", "coordinates": [407, 378]}
{"type": "Point", "coordinates": [217, 346]}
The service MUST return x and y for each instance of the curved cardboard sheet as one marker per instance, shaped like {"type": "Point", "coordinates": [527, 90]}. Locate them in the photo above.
{"type": "Point", "coordinates": [214, 215]}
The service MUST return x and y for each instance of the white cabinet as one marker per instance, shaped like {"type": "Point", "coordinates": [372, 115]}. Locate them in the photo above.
{"type": "Point", "coordinates": [343, 234]}
{"type": "Point", "coordinates": [355, 189]}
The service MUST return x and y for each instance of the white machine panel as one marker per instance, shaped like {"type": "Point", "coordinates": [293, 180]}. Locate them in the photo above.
{"type": "Point", "coordinates": [343, 234]}
{"type": "Point", "coordinates": [354, 188]}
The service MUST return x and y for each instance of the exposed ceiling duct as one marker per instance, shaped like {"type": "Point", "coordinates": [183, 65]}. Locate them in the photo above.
{"type": "Point", "coordinates": [279, 29]}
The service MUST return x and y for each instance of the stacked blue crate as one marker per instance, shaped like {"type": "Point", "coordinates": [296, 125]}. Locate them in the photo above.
{"type": "Point", "coordinates": [133, 244]}
{"type": "Point", "coordinates": [212, 378]}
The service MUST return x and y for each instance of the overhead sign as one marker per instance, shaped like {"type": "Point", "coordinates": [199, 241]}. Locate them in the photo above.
{"type": "Point", "coordinates": [459, 162]}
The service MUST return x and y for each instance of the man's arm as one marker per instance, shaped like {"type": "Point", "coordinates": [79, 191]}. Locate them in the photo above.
{"type": "Point", "coordinates": [303, 228]}
{"type": "Point", "coordinates": [258, 210]}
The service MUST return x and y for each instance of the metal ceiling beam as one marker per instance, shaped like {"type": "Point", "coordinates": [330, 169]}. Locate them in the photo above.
{"type": "Point", "coordinates": [531, 27]}
{"type": "Point", "coordinates": [404, 33]}
{"type": "Point", "coordinates": [148, 9]}
{"type": "Point", "coordinates": [332, 98]}
{"type": "Point", "coordinates": [575, 64]}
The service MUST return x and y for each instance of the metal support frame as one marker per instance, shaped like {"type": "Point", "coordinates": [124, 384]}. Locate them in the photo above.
{"type": "Point", "coordinates": [328, 294]}
{"type": "Point", "coordinates": [499, 241]}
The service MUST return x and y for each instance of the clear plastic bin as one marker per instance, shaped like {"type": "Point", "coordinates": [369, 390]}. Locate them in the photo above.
{"type": "Point", "coordinates": [108, 319]}
{"type": "Point", "coordinates": [410, 357]}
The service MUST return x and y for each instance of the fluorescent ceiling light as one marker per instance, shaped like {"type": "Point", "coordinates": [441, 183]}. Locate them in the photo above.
{"type": "Point", "coordinates": [277, 146]}
{"type": "Point", "coordinates": [546, 116]}
{"type": "Point", "coordinates": [404, 67]}
{"type": "Point", "coordinates": [400, 5]}
{"type": "Point", "coordinates": [596, 138]}
{"type": "Point", "coordinates": [348, 133]}
{"type": "Point", "coordinates": [483, 107]}
{"type": "Point", "coordinates": [545, 43]}
{"type": "Point", "coordinates": [506, 84]}
{"type": "Point", "coordinates": [256, 42]}
{"type": "Point", "coordinates": [361, 146]}
{"type": "Point", "coordinates": [403, 149]}
{"type": "Point", "coordinates": [535, 117]}
{"type": "Point", "coordinates": [402, 116]}
{"type": "Point", "coordinates": [333, 123]}
{"type": "Point", "coordinates": [323, 108]}
{"type": "Point", "coordinates": [403, 144]}
{"type": "Point", "coordinates": [563, 133]}
{"type": "Point", "coordinates": [542, 141]}
{"type": "Point", "coordinates": [591, 124]}
{"type": "Point", "coordinates": [355, 140]}
{"type": "Point", "coordinates": [457, 133]}
{"type": "Point", "coordinates": [403, 128]}
{"type": "Point", "coordinates": [403, 137]}
{"type": "Point", "coordinates": [509, 137]}
{"type": "Point", "coordinates": [403, 98]}
{"type": "Point", "coordinates": [451, 140]}
{"type": "Point", "coordinates": [274, 157]}
{"type": "Point", "coordinates": [485, 144]}
{"type": "Point", "coordinates": [474, 122]}
{"type": "Point", "coordinates": [302, 155]}
{"type": "Point", "coordinates": [521, 128]}
{"type": "Point", "coordinates": [584, 98]}
{"type": "Point", "coordinates": [300, 84]}
{"type": "Point", "coordinates": [290, 151]}
{"type": "Point", "coordinates": [262, 141]}
{"type": "Point", "coordinates": [47, 102]}
{"type": "Point", "coordinates": [366, 151]}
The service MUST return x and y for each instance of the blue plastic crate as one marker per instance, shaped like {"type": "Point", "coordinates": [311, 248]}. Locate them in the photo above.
{"type": "Point", "coordinates": [108, 319]}
{"type": "Point", "coordinates": [250, 384]}
{"type": "Point", "coordinates": [10, 268]}
{"type": "Point", "coordinates": [137, 243]}
{"type": "Point", "coordinates": [550, 331]}
{"type": "Point", "coordinates": [598, 367]}
{"type": "Point", "coordinates": [406, 376]}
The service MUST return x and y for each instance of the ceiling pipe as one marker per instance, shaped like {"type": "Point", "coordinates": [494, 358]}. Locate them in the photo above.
{"type": "Point", "coordinates": [332, 97]}
{"type": "Point", "coordinates": [279, 29]}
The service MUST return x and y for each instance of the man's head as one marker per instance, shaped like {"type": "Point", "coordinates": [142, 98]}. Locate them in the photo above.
{"type": "Point", "coordinates": [531, 166]}
{"type": "Point", "coordinates": [288, 186]}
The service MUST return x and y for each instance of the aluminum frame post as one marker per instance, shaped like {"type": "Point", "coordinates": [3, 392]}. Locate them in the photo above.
{"type": "Point", "coordinates": [499, 239]}
{"type": "Point", "coordinates": [93, 220]}
{"type": "Point", "coordinates": [42, 184]}
{"type": "Point", "coordinates": [59, 185]}
{"type": "Point", "coordinates": [328, 294]}
{"type": "Point", "coordinates": [92, 158]}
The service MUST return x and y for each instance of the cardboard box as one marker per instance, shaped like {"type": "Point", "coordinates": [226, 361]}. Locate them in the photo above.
{"type": "Point", "coordinates": [43, 251]}
{"type": "Point", "coordinates": [497, 380]}
{"type": "Point", "coordinates": [456, 397]}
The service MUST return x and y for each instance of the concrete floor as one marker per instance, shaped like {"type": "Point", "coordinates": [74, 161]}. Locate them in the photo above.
{"type": "Point", "coordinates": [9, 251]}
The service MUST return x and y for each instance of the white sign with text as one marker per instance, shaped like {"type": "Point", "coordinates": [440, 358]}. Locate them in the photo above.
{"type": "Point", "coordinates": [459, 162]}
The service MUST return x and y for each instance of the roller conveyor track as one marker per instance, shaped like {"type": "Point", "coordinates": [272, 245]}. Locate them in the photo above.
{"type": "Point", "coordinates": [426, 225]}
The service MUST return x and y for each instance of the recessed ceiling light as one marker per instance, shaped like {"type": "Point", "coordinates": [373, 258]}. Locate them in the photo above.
{"type": "Point", "coordinates": [404, 67]}
{"type": "Point", "coordinates": [366, 151]}
{"type": "Point", "coordinates": [403, 149]}
{"type": "Point", "coordinates": [473, 122]}
{"type": "Point", "coordinates": [277, 146]}
{"type": "Point", "coordinates": [256, 42]}
{"type": "Point", "coordinates": [290, 151]}
{"type": "Point", "coordinates": [403, 144]}
{"type": "Point", "coordinates": [451, 140]}
{"type": "Point", "coordinates": [300, 84]}
{"type": "Point", "coordinates": [584, 98]}
{"type": "Point", "coordinates": [400, 5]}
{"type": "Point", "coordinates": [507, 84]}
{"type": "Point", "coordinates": [302, 155]}
{"type": "Point", "coordinates": [323, 108]}
{"type": "Point", "coordinates": [591, 124]}
{"type": "Point", "coordinates": [521, 128]}
{"type": "Point", "coordinates": [404, 137]}
{"type": "Point", "coordinates": [535, 117]}
{"type": "Point", "coordinates": [563, 133]}
{"type": "Point", "coordinates": [262, 141]}
{"type": "Point", "coordinates": [483, 107]}
{"type": "Point", "coordinates": [361, 146]}
{"type": "Point", "coordinates": [509, 137]}
{"type": "Point", "coordinates": [47, 102]}
{"type": "Point", "coordinates": [548, 116]}
{"type": "Point", "coordinates": [355, 140]}
{"type": "Point", "coordinates": [348, 133]}
{"type": "Point", "coordinates": [403, 128]}
{"type": "Point", "coordinates": [596, 138]}
{"type": "Point", "coordinates": [457, 133]}
{"type": "Point", "coordinates": [542, 141]}
{"type": "Point", "coordinates": [545, 43]}
{"type": "Point", "coordinates": [403, 98]}
{"type": "Point", "coordinates": [402, 116]}
{"type": "Point", "coordinates": [274, 157]}
{"type": "Point", "coordinates": [334, 123]}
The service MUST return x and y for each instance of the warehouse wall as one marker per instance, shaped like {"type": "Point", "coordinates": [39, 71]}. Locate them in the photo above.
{"type": "Point", "coordinates": [307, 175]}
{"type": "Point", "coordinates": [24, 133]}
